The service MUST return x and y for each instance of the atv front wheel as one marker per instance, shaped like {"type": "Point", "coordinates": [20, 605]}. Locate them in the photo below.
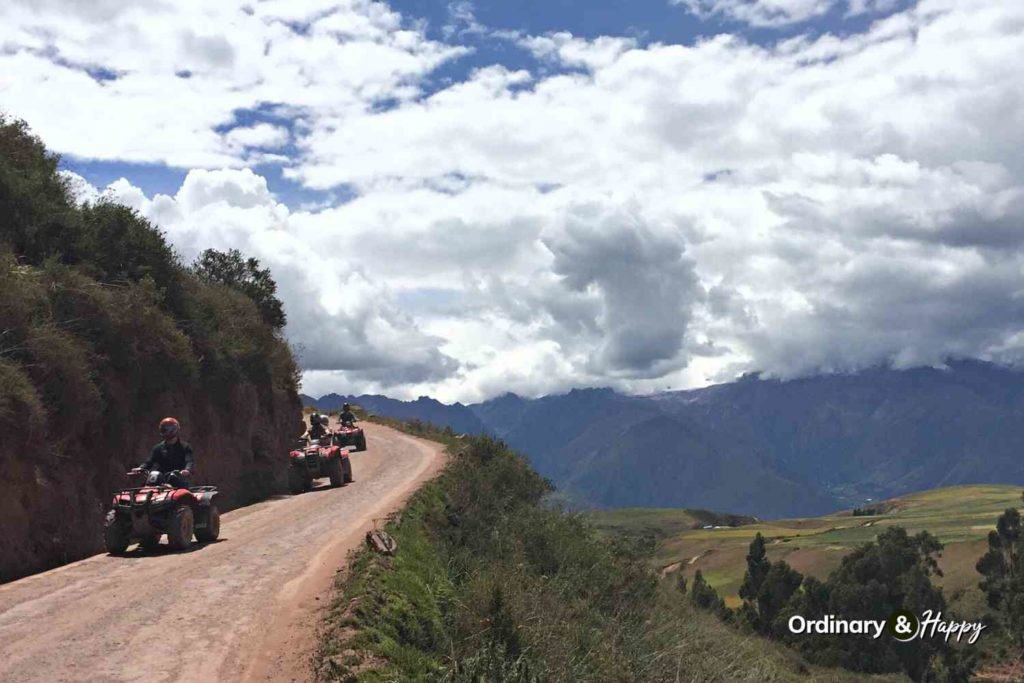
{"type": "Point", "coordinates": [117, 533]}
{"type": "Point", "coordinates": [211, 531]}
{"type": "Point", "coordinates": [334, 471]}
{"type": "Point", "coordinates": [180, 526]}
{"type": "Point", "coordinates": [296, 482]}
{"type": "Point", "coordinates": [346, 466]}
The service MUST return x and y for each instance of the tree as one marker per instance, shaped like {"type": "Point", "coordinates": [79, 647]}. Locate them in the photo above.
{"type": "Point", "coordinates": [757, 569]}
{"type": "Point", "coordinates": [705, 597]}
{"type": "Point", "coordinates": [1003, 569]}
{"type": "Point", "coordinates": [766, 588]}
{"type": "Point", "coordinates": [232, 269]}
{"type": "Point", "coordinates": [781, 582]}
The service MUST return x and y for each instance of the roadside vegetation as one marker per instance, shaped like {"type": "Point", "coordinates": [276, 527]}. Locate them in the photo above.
{"type": "Point", "coordinates": [103, 331]}
{"type": "Point", "coordinates": [490, 584]}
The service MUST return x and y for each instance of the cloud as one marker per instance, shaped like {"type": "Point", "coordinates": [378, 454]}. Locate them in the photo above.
{"type": "Point", "coordinates": [262, 135]}
{"type": "Point", "coordinates": [643, 286]}
{"type": "Point", "coordinates": [462, 20]}
{"type": "Point", "coordinates": [783, 13]}
{"type": "Point", "coordinates": [567, 50]}
{"type": "Point", "coordinates": [632, 215]}
{"type": "Point", "coordinates": [339, 318]}
{"type": "Point", "coordinates": [155, 81]}
{"type": "Point", "coordinates": [764, 13]}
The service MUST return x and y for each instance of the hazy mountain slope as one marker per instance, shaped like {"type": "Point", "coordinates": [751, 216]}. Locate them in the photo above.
{"type": "Point", "coordinates": [763, 447]}
{"type": "Point", "coordinates": [876, 433]}
{"type": "Point", "coordinates": [664, 462]}
{"type": "Point", "coordinates": [774, 448]}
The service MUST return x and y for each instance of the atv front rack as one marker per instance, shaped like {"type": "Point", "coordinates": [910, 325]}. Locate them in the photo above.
{"type": "Point", "coordinates": [133, 504]}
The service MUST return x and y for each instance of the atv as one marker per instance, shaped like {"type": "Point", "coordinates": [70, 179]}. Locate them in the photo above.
{"type": "Point", "coordinates": [164, 505]}
{"type": "Point", "coordinates": [314, 458]}
{"type": "Point", "coordinates": [348, 435]}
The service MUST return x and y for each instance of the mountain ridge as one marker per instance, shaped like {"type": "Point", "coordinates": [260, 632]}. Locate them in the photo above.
{"type": "Point", "coordinates": [766, 447]}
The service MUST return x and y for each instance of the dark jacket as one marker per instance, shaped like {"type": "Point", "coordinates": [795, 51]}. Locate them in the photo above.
{"type": "Point", "coordinates": [317, 431]}
{"type": "Point", "coordinates": [166, 457]}
{"type": "Point", "coordinates": [347, 416]}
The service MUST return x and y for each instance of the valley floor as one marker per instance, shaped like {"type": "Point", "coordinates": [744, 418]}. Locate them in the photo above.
{"type": "Point", "coordinates": [960, 517]}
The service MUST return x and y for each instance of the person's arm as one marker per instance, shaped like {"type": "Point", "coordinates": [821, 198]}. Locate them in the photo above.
{"type": "Point", "coordinates": [151, 460]}
{"type": "Point", "coordinates": [190, 462]}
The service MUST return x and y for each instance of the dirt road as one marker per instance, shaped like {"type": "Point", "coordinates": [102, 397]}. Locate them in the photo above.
{"type": "Point", "coordinates": [243, 608]}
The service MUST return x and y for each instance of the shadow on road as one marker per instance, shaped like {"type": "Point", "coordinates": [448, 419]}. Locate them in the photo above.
{"type": "Point", "coordinates": [164, 549]}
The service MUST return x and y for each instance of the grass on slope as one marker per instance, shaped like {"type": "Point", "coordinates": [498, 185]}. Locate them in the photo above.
{"type": "Point", "coordinates": [960, 517]}
{"type": "Point", "coordinates": [490, 585]}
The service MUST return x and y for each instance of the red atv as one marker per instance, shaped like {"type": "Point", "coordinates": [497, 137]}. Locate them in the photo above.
{"type": "Point", "coordinates": [164, 505]}
{"type": "Point", "coordinates": [348, 435]}
{"type": "Point", "coordinates": [315, 458]}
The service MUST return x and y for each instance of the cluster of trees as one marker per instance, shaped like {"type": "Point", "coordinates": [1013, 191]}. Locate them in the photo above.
{"type": "Point", "coordinates": [1002, 567]}
{"type": "Point", "coordinates": [892, 573]}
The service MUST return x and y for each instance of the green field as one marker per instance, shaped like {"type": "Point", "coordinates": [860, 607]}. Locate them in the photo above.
{"type": "Point", "coordinates": [960, 517]}
{"type": "Point", "coordinates": [662, 523]}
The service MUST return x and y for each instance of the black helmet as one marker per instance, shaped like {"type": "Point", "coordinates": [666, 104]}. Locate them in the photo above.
{"type": "Point", "coordinates": [314, 418]}
{"type": "Point", "coordinates": [346, 407]}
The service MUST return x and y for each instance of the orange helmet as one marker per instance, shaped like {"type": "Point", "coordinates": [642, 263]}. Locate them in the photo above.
{"type": "Point", "coordinates": [169, 427]}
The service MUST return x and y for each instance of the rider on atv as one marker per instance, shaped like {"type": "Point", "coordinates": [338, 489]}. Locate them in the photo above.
{"type": "Point", "coordinates": [171, 454]}
{"type": "Point", "coordinates": [317, 426]}
{"type": "Point", "coordinates": [347, 417]}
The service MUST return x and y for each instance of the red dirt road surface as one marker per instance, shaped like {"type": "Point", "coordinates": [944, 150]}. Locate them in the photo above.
{"type": "Point", "coordinates": [244, 608]}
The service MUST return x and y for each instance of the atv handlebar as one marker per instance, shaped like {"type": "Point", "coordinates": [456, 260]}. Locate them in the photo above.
{"type": "Point", "coordinates": [175, 478]}
{"type": "Point", "coordinates": [141, 470]}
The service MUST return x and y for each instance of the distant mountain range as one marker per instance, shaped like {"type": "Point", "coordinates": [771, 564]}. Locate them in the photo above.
{"type": "Point", "coordinates": [763, 447]}
{"type": "Point", "coordinates": [457, 416]}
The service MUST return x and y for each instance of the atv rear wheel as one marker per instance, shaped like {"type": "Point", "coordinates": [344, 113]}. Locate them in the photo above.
{"type": "Point", "coordinates": [150, 543]}
{"type": "Point", "coordinates": [346, 468]}
{"type": "Point", "coordinates": [334, 471]}
{"type": "Point", "coordinates": [180, 526]}
{"type": "Point", "coordinates": [361, 443]}
{"type": "Point", "coordinates": [117, 533]}
{"type": "Point", "coordinates": [211, 531]}
{"type": "Point", "coordinates": [296, 482]}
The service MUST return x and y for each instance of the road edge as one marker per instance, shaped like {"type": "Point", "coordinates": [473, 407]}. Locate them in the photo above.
{"type": "Point", "coordinates": [285, 652]}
